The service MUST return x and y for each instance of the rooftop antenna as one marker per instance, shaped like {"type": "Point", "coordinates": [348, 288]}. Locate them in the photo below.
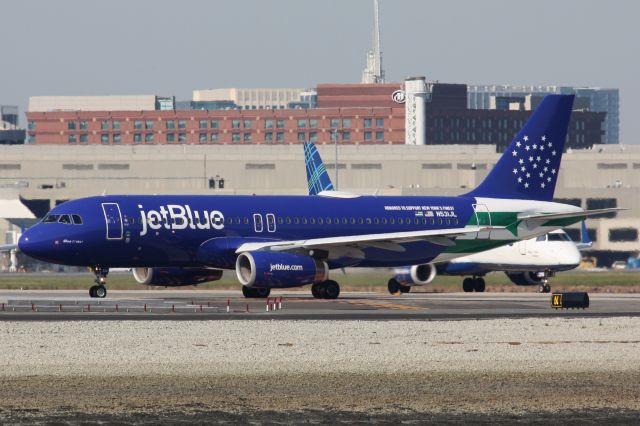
{"type": "Point", "coordinates": [373, 72]}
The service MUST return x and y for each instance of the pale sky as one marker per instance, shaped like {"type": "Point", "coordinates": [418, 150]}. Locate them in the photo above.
{"type": "Point", "coordinates": [80, 47]}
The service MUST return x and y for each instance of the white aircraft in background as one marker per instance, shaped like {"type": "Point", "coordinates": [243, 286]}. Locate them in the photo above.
{"type": "Point", "coordinates": [526, 263]}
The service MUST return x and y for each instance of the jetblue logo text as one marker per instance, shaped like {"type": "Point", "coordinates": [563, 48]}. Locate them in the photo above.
{"type": "Point", "coordinates": [281, 267]}
{"type": "Point", "coordinates": [176, 217]}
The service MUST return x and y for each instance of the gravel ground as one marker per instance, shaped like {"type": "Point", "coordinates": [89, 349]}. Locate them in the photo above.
{"type": "Point", "coordinates": [397, 370]}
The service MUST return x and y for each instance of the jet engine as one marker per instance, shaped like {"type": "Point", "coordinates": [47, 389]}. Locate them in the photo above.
{"type": "Point", "coordinates": [265, 269]}
{"type": "Point", "coordinates": [525, 278]}
{"type": "Point", "coordinates": [175, 277]}
{"type": "Point", "coordinates": [417, 275]}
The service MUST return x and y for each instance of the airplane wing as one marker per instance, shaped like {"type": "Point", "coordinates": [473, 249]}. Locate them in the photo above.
{"type": "Point", "coordinates": [389, 241]}
{"type": "Point", "coordinates": [568, 215]}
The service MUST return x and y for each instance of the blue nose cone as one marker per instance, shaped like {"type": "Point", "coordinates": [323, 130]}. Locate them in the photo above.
{"type": "Point", "coordinates": [34, 244]}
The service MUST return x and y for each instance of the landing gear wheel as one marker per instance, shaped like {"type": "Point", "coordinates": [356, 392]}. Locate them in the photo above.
{"type": "Point", "coordinates": [393, 286]}
{"type": "Point", "coordinates": [100, 291]}
{"type": "Point", "coordinates": [544, 288]}
{"type": "Point", "coordinates": [315, 290]}
{"type": "Point", "coordinates": [255, 293]}
{"type": "Point", "coordinates": [405, 288]}
{"type": "Point", "coordinates": [92, 291]}
{"type": "Point", "coordinates": [479, 285]}
{"type": "Point", "coordinates": [263, 293]}
{"type": "Point", "coordinates": [331, 289]}
{"type": "Point", "coordinates": [467, 285]}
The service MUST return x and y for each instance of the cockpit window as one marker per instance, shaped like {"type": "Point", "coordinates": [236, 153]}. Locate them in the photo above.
{"type": "Point", "coordinates": [542, 238]}
{"type": "Point", "coordinates": [64, 218]}
{"type": "Point", "coordinates": [559, 237]}
{"type": "Point", "coordinates": [77, 220]}
{"type": "Point", "coordinates": [51, 218]}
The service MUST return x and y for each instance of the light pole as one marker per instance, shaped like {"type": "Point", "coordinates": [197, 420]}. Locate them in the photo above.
{"type": "Point", "coordinates": [334, 135]}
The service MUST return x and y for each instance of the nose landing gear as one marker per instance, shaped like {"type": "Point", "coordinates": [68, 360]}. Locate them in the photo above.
{"type": "Point", "coordinates": [99, 290]}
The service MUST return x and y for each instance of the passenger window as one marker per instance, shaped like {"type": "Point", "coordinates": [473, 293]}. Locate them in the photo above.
{"type": "Point", "coordinates": [424, 220]}
{"type": "Point", "coordinates": [448, 221]}
{"type": "Point", "coordinates": [296, 220]}
{"type": "Point", "coordinates": [64, 218]}
{"type": "Point", "coordinates": [352, 221]}
{"type": "Point", "coordinates": [51, 218]}
{"type": "Point", "coordinates": [319, 221]}
{"type": "Point", "coordinates": [288, 220]}
{"type": "Point", "coordinates": [433, 221]}
{"type": "Point", "coordinates": [328, 221]}
{"type": "Point", "coordinates": [368, 221]}
{"type": "Point", "coordinates": [245, 220]}
{"type": "Point", "coordinates": [400, 221]}
{"type": "Point", "coordinates": [280, 221]}
{"type": "Point", "coordinates": [77, 220]}
{"type": "Point", "coordinates": [384, 220]}
{"type": "Point", "coordinates": [416, 221]}
{"type": "Point", "coordinates": [440, 221]}
{"type": "Point", "coordinates": [376, 220]}
{"type": "Point", "coordinates": [336, 220]}
{"type": "Point", "coordinates": [360, 221]}
{"type": "Point", "coordinates": [237, 221]}
{"type": "Point", "coordinates": [312, 220]}
{"type": "Point", "coordinates": [344, 220]}
{"type": "Point", "coordinates": [304, 220]}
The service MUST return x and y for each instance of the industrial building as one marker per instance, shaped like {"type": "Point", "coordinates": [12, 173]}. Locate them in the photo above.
{"type": "Point", "coordinates": [605, 176]}
{"type": "Point", "coordinates": [10, 132]}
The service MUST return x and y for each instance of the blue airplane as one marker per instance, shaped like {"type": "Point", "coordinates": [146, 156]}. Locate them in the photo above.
{"type": "Point", "coordinates": [290, 241]}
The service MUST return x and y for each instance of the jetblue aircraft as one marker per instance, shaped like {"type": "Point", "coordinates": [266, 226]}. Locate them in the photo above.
{"type": "Point", "coordinates": [527, 262]}
{"type": "Point", "coordinates": [289, 241]}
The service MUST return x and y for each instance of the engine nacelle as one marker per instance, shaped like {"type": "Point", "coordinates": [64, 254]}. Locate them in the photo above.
{"type": "Point", "coordinates": [525, 278]}
{"type": "Point", "coordinates": [175, 277]}
{"type": "Point", "coordinates": [279, 270]}
{"type": "Point", "coordinates": [417, 275]}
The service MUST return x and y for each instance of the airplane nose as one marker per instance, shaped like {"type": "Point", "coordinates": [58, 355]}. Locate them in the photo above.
{"type": "Point", "coordinates": [571, 256]}
{"type": "Point", "coordinates": [34, 244]}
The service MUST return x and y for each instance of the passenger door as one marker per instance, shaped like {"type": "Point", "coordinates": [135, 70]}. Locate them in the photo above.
{"type": "Point", "coordinates": [113, 220]}
{"type": "Point", "coordinates": [483, 218]}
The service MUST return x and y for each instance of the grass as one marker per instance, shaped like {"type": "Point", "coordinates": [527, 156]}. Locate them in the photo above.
{"type": "Point", "coordinates": [352, 280]}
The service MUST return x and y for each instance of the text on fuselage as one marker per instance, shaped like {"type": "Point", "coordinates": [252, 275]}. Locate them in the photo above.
{"type": "Point", "coordinates": [176, 217]}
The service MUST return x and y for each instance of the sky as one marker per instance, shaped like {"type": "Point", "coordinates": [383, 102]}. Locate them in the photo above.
{"type": "Point", "coordinates": [80, 47]}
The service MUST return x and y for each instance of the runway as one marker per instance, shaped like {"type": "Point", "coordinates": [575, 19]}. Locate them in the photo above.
{"type": "Point", "coordinates": [39, 305]}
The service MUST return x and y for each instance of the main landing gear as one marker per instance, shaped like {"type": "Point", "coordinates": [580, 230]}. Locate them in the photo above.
{"type": "Point", "coordinates": [396, 288]}
{"type": "Point", "coordinates": [99, 290]}
{"type": "Point", "coordinates": [473, 284]}
{"type": "Point", "coordinates": [326, 290]}
{"type": "Point", "coordinates": [255, 292]}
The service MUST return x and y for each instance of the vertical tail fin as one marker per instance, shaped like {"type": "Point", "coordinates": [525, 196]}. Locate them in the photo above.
{"type": "Point", "coordinates": [529, 167]}
{"type": "Point", "coordinates": [317, 177]}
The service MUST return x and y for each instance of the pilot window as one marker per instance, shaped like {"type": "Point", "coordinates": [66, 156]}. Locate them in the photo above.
{"type": "Point", "coordinates": [77, 220]}
{"type": "Point", "coordinates": [542, 238]}
{"type": "Point", "coordinates": [64, 218]}
{"type": "Point", "coordinates": [559, 237]}
{"type": "Point", "coordinates": [51, 218]}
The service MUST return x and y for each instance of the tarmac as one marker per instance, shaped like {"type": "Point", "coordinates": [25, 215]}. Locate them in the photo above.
{"type": "Point", "coordinates": [57, 305]}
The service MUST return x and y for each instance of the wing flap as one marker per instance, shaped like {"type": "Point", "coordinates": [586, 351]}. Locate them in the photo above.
{"type": "Point", "coordinates": [567, 215]}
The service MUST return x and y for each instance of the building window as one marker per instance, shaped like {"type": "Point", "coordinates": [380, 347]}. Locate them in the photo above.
{"type": "Point", "coordinates": [182, 124]}
{"type": "Point", "coordinates": [31, 125]}
{"type": "Point", "coordinates": [214, 124]}
{"type": "Point", "coordinates": [137, 124]}
{"type": "Point", "coordinates": [235, 124]}
{"type": "Point", "coordinates": [171, 137]}
{"type": "Point", "coordinates": [268, 124]}
{"type": "Point", "coordinates": [214, 137]}
{"type": "Point", "coordinates": [302, 124]}
{"type": "Point", "coordinates": [84, 138]}
{"type": "Point", "coordinates": [137, 138]}
{"type": "Point", "coordinates": [346, 123]}
{"type": "Point", "coordinates": [203, 124]}
{"type": "Point", "coordinates": [313, 136]}
{"type": "Point", "coordinates": [202, 138]}
{"type": "Point", "coordinates": [148, 125]}
{"type": "Point", "coordinates": [83, 125]}
{"type": "Point", "coordinates": [280, 124]}
{"type": "Point", "coordinates": [247, 137]}
{"type": "Point", "coordinates": [379, 122]}
{"type": "Point", "coordinates": [170, 124]}
{"type": "Point", "coordinates": [148, 137]}
{"type": "Point", "coordinates": [346, 136]}
{"type": "Point", "coordinates": [104, 138]}
{"type": "Point", "coordinates": [602, 203]}
{"type": "Point", "coordinates": [623, 234]}
{"type": "Point", "coordinates": [115, 125]}
{"type": "Point", "coordinates": [71, 125]}
{"type": "Point", "coordinates": [367, 136]}
{"type": "Point", "coordinates": [279, 137]}
{"type": "Point", "coordinates": [235, 137]}
{"type": "Point", "coordinates": [117, 138]}
{"type": "Point", "coordinates": [104, 125]}
{"type": "Point", "coordinates": [268, 136]}
{"type": "Point", "coordinates": [72, 139]}
{"type": "Point", "coordinates": [31, 138]}
{"type": "Point", "coordinates": [335, 123]}
{"type": "Point", "coordinates": [367, 123]}
{"type": "Point", "coordinates": [182, 137]}
{"type": "Point", "coordinates": [313, 123]}
{"type": "Point", "coordinates": [379, 136]}
{"type": "Point", "coordinates": [247, 124]}
{"type": "Point", "coordinates": [301, 136]}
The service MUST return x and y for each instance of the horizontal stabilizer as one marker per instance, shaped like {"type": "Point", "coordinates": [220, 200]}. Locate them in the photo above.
{"type": "Point", "coordinates": [568, 215]}
{"type": "Point", "coordinates": [8, 247]}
